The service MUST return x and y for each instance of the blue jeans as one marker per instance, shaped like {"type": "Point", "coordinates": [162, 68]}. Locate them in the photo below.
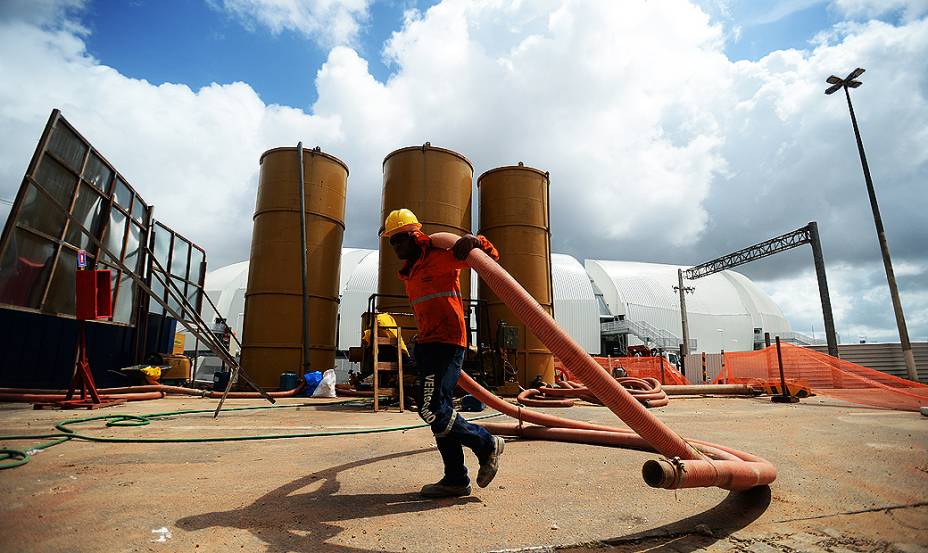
{"type": "Point", "coordinates": [439, 366]}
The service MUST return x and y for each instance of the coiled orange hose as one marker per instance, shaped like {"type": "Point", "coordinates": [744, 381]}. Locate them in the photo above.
{"type": "Point", "coordinates": [646, 390]}
{"type": "Point", "coordinates": [685, 464]}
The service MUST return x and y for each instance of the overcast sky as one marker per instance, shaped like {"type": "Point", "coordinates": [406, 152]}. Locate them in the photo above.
{"type": "Point", "coordinates": [674, 131]}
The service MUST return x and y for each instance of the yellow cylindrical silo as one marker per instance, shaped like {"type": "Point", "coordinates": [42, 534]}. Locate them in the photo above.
{"type": "Point", "coordinates": [436, 184]}
{"type": "Point", "coordinates": [515, 217]}
{"type": "Point", "coordinates": [272, 335]}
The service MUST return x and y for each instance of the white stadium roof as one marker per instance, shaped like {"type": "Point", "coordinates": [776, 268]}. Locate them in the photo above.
{"type": "Point", "coordinates": [723, 312]}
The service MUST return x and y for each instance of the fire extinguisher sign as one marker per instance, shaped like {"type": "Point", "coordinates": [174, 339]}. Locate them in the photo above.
{"type": "Point", "coordinates": [81, 259]}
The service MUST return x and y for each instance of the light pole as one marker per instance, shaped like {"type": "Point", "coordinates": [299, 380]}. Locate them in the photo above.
{"type": "Point", "coordinates": [851, 82]}
{"type": "Point", "coordinates": [683, 290]}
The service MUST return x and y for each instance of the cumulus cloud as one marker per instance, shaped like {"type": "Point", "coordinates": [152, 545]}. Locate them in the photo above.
{"type": "Point", "coordinates": [859, 297]}
{"type": "Point", "coordinates": [43, 12]}
{"type": "Point", "coordinates": [328, 22]}
{"type": "Point", "coordinates": [660, 148]}
{"type": "Point", "coordinates": [193, 154]}
{"type": "Point", "coordinates": [908, 9]}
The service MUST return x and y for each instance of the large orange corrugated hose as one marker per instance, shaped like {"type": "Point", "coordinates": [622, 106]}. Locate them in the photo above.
{"type": "Point", "coordinates": [687, 465]}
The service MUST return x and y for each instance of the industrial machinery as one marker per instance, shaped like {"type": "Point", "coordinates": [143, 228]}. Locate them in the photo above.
{"type": "Point", "coordinates": [515, 217]}
{"type": "Point", "coordinates": [274, 303]}
{"type": "Point", "coordinates": [483, 360]}
{"type": "Point", "coordinates": [435, 183]}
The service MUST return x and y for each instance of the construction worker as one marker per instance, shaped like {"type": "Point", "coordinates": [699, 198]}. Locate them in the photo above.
{"type": "Point", "coordinates": [432, 283]}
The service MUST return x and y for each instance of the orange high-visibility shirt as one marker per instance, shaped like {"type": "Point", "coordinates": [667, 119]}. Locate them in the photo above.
{"type": "Point", "coordinates": [434, 290]}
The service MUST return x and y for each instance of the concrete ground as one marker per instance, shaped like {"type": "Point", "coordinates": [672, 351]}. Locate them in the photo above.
{"type": "Point", "coordinates": [851, 478]}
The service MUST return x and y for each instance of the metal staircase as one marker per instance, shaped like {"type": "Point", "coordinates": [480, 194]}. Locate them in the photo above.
{"type": "Point", "coordinates": [646, 332]}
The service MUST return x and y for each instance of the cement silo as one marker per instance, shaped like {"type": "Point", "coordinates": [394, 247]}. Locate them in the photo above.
{"type": "Point", "coordinates": [436, 184]}
{"type": "Point", "coordinates": [272, 335]}
{"type": "Point", "coordinates": [515, 216]}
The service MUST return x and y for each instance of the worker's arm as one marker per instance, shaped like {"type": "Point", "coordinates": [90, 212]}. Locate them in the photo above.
{"type": "Point", "coordinates": [468, 242]}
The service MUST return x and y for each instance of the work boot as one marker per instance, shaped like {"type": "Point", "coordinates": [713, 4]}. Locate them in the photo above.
{"type": "Point", "coordinates": [441, 489]}
{"type": "Point", "coordinates": [489, 467]}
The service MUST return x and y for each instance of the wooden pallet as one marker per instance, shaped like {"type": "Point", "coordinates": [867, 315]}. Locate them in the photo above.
{"type": "Point", "coordinates": [387, 366]}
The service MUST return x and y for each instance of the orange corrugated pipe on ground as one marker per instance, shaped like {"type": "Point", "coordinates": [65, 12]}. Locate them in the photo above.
{"type": "Point", "coordinates": [646, 390]}
{"type": "Point", "coordinates": [535, 397]}
{"type": "Point", "coordinates": [685, 466]}
{"type": "Point", "coordinates": [134, 393]}
{"type": "Point", "coordinates": [20, 397]}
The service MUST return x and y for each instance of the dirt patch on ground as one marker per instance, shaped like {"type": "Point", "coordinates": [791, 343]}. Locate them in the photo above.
{"type": "Point", "coordinates": [835, 490]}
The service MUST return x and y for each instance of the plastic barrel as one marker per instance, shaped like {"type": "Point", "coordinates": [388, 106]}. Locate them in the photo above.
{"type": "Point", "coordinates": [288, 381]}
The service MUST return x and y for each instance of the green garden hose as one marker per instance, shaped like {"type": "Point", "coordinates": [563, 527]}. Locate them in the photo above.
{"type": "Point", "coordinates": [16, 458]}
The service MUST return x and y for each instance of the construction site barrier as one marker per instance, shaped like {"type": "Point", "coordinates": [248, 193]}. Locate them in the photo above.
{"type": "Point", "coordinates": [824, 375]}
{"type": "Point", "coordinates": [658, 368]}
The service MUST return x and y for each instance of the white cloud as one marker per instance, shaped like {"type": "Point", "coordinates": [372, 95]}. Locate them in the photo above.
{"type": "Point", "coordinates": [660, 148]}
{"type": "Point", "coordinates": [193, 154]}
{"type": "Point", "coordinates": [859, 294]}
{"type": "Point", "coordinates": [909, 9]}
{"type": "Point", "coordinates": [329, 22]}
{"type": "Point", "coordinates": [43, 12]}
{"type": "Point", "coordinates": [556, 95]}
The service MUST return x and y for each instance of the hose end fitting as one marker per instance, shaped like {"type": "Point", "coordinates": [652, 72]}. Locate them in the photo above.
{"type": "Point", "coordinates": [663, 473]}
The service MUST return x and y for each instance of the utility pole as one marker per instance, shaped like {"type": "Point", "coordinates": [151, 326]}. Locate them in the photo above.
{"type": "Point", "coordinates": [683, 290]}
{"type": "Point", "coordinates": [819, 260]}
{"type": "Point", "coordinates": [846, 83]}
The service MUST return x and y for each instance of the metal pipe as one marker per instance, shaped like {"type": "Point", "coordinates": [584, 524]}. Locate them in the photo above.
{"type": "Point", "coordinates": [705, 373]}
{"type": "Point", "coordinates": [784, 395]}
{"type": "Point", "coordinates": [724, 376]}
{"type": "Point", "coordinates": [910, 368]}
{"type": "Point", "coordinates": [303, 260]}
{"type": "Point", "coordinates": [660, 355]}
{"type": "Point", "coordinates": [780, 363]}
{"type": "Point", "coordinates": [710, 389]}
{"type": "Point", "coordinates": [819, 260]}
{"type": "Point", "coordinates": [142, 305]}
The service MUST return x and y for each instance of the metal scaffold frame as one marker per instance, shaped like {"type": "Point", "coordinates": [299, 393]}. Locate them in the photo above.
{"type": "Point", "coordinates": [801, 236]}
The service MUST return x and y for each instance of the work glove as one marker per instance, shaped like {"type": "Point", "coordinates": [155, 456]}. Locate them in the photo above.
{"type": "Point", "coordinates": [464, 245]}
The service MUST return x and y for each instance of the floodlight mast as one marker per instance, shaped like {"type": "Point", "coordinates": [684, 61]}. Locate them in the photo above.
{"type": "Point", "coordinates": [846, 83]}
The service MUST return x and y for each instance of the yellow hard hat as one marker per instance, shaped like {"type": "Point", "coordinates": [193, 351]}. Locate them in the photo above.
{"type": "Point", "coordinates": [400, 220]}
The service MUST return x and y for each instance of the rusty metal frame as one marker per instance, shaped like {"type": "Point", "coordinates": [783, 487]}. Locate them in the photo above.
{"type": "Point", "coordinates": [105, 191]}
{"type": "Point", "coordinates": [763, 249]}
{"type": "Point", "coordinates": [64, 227]}
{"type": "Point", "coordinates": [186, 278]}
{"type": "Point", "coordinates": [33, 164]}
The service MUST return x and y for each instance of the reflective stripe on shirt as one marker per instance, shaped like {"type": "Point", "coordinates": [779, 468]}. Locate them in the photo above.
{"type": "Point", "coordinates": [427, 297]}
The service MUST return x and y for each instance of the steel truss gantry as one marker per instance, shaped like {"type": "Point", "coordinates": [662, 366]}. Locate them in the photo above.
{"type": "Point", "coordinates": [801, 236]}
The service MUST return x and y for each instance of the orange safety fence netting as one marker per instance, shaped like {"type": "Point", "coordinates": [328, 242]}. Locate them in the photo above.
{"type": "Point", "coordinates": [637, 367]}
{"type": "Point", "coordinates": [825, 375]}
